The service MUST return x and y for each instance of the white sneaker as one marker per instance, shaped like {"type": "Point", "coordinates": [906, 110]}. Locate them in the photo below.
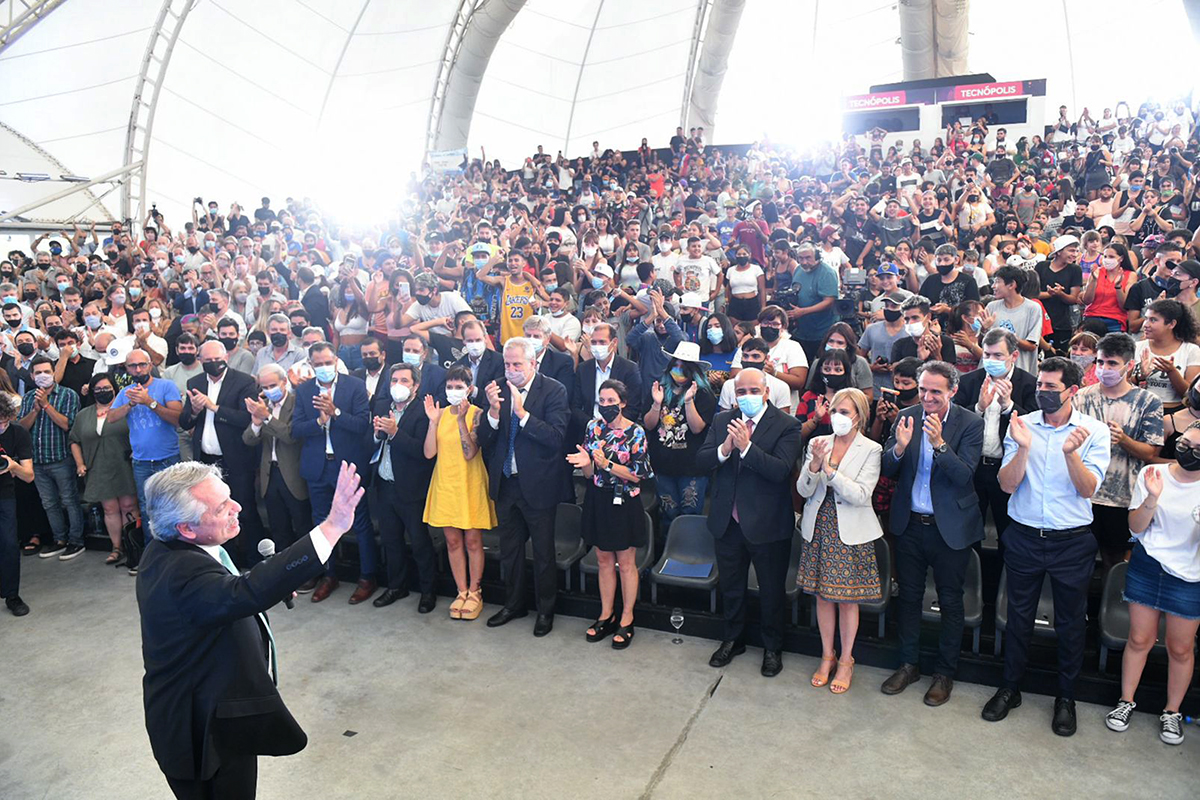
{"type": "Point", "coordinates": [1118, 719]}
{"type": "Point", "coordinates": [1171, 731]}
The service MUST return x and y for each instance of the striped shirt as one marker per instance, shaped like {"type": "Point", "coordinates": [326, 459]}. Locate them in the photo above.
{"type": "Point", "coordinates": [49, 440]}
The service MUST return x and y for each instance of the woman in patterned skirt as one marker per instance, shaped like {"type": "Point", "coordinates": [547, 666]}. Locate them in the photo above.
{"type": "Point", "coordinates": [839, 528]}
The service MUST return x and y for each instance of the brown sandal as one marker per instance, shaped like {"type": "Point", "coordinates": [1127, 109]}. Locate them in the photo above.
{"type": "Point", "coordinates": [819, 680]}
{"type": "Point", "coordinates": [456, 606]}
{"type": "Point", "coordinates": [840, 687]}
{"type": "Point", "coordinates": [473, 607]}
{"type": "Point", "coordinates": [114, 557]}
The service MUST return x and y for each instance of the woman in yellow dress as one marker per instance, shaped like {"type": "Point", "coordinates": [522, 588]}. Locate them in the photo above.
{"type": "Point", "coordinates": [458, 500]}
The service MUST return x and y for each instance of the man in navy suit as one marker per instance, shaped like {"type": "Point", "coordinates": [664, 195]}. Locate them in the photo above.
{"type": "Point", "coordinates": [752, 450]}
{"type": "Point", "coordinates": [332, 417]}
{"type": "Point", "coordinates": [550, 362]}
{"type": "Point", "coordinates": [522, 439]}
{"type": "Point", "coordinates": [215, 412]}
{"type": "Point", "coordinates": [402, 474]}
{"type": "Point", "coordinates": [374, 371]}
{"type": "Point", "coordinates": [932, 455]}
{"type": "Point", "coordinates": [485, 365]}
{"type": "Point", "coordinates": [433, 374]}
{"type": "Point", "coordinates": [604, 365]}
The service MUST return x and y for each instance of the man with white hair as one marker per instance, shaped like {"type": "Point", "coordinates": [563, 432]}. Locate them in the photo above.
{"type": "Point", "coordinates": [210, 693]}
{"type": "Point", "coordinates": [523, 440]}
{"type": "Point", "coordinates": [752, 450]}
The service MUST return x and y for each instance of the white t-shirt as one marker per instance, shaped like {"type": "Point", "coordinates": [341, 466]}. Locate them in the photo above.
{"type": "Point", "coordinates": [450, 304]}
{"type": "Point", "coordinates": [567, 326]}
{"type": "Point", "coordinates": [1173, 536]}
{"type": "Point", "coordinates": [698, 275]}
{"type": "Point", "coordinates": [786, 354]}
{"type": "Point", "coordinates": [780, 394]}
{"type": "Point", "coordinates": [835, 258]}
{"type": "Point", "coordinates": [744, 281]}
{"type": "Point", "coordinates": [1188, 355]}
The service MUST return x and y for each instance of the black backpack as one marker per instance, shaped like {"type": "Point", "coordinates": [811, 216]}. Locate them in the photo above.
{"type": "Point", "coordinates": [132, 542]}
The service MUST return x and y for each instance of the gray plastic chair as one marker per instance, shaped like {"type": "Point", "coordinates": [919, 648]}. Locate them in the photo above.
{"type": "Point", "coordinates": [972, 599]}
{"type": "Point", "coordinates": [792, 591]}
{"type": "Point", "coordinates": [1114, 616]}
{"type": "Point", "coordinates": [1043, 619]}
{"type": "Point", "coordinates": [688, 542]}
{"type": "Point", "coordinates": [568, 539]}
{"type": "Point", "coordinates": [644, 556]}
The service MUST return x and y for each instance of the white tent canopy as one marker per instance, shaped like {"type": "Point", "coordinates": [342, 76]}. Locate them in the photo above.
{"type": "Point", "coordinates": [332, 98]}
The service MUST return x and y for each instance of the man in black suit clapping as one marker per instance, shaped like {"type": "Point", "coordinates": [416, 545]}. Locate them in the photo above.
{"type": "Point", "coordinates": [210, 691]}
{"type": "Point", "coordinates": [522, 440]}
{"type": "Point", "coordinates": [753, 449]}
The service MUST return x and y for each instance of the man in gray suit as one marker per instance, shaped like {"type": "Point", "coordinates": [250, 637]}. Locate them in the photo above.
{"type": "Point", "coordinates": [932, 455]}
{"type": "Point", "coordinates": [284, 492]}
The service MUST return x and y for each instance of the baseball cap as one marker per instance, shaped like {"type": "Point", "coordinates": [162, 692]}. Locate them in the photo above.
{"type": "Point", "coordinates": [1063, 242]}
{"type": "Point", "coordinates": [888, 269]}
{"type": "Point", "coordinates": [603, 269]}
{"type": "Point", "coordinates": [1191, 267]}
{"type": "Point", "coordinates": [691, 300]}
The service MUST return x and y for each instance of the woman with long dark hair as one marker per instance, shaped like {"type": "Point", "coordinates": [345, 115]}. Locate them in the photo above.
{"type": "Point", "coordinates": [1168, 359]}
{"type": "Point", "coordinates": [1107, 285]}
{"type": "Point", "coordinates": [676, 423]}
{"type": "Point", "coordinates": [350, 320]}
{"type": "Point", "coordinates": [718, 342]}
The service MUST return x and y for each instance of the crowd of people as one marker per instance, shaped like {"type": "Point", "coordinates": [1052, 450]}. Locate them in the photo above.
{"type": "Point", "coordinates": [855, 341]}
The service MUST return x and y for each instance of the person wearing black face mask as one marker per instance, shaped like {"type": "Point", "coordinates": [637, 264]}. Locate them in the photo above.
{"type": "Point", "coordinates": [879, 338]}
{"type": "Point", "coordinates": [237, 357]}
{"type": "Point", "coordinates": [73, 370]}
{"type": "Point", "coordinates": [1054, 461]}
{"type": "Point", "coordinates": [950, 286]}
{"type": "Point", "coordinates": [833, 374]}
{"type": "Point", "coordinates": [1162, 578]}
{"type": "Point", "coordinates": [373, 371]}
{"type": "Point", "coordinates": [747, 287]}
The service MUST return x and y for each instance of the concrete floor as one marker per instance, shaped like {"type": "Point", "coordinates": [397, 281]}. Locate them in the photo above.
{"type": "Point", "coordinates": [449, 709]}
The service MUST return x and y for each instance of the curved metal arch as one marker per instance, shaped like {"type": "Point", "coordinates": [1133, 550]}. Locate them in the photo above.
{"type": "Point", "coordinates": [20, 24]}
{"type": "Point", "coordinates": [720, 31]}
{"type": "Point", "coordinates": [470, 42]}
{"type": "Point", "coordinates": [157, 58]}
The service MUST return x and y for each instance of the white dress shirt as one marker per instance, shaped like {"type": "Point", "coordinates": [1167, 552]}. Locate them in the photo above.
{"type": "Point", "coordinates": [993, 445]}
{"type": "Point", "coordinates": [757, 418]}
{"type": "Point", "coordinates": [372, 381]}
{"type": "Point", "coordinates": [208, 437]}
{"type": "Point", "coordinates": [254, 426]}
{"type": "Point", "coordinates": [495, 423]}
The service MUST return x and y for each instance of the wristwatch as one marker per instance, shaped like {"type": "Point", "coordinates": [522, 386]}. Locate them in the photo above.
{"type": "Point", "coordinates": [941, 448]}
{"type": "Point", "coordinates": [153, 404]}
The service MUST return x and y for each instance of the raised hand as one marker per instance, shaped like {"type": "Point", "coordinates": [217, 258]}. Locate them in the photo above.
{"type": "Point", "coordinates": [987, 392]}
{"type": "Point", "coordinates": [819, 449]}
{"type": "Point", "coordinates": [518, 402]}
{"type": "Point", "coordinates": [580, 458]}
{"type": "Point", "coordinates": [433, 410]}
{"type": "Point", "coordinates": [1075, 440]}
{"type": "Point", "coordinates": [1020, 432]}
{"type": "Point", "coordinates": [690, 394]}
{"type": "Point", "coordinates": [258, 410]}
{"type": "Point", "coordinates": [821, 407]}
{"type": "Point", "coordinates": [492, 390]}
{"type": "Point", "coordinates": [657, 393]}
{"type": "Point", "coordinates": [1154, 482]}
{"type": "Point", "coordinates": [904, 433]}
{"type": "Point", "coordinates": [346, 496]}
{"type": "Point", "coordinates": [933, 429]}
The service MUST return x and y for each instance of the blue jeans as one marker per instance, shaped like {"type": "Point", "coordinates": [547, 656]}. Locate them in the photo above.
{"type": "Point", "coordinates": [679, 494]}
{"type": "Point", "coordinates": [351, 356]}
{"type": "Point", "coordinates": [320, 494]}
{"type": "Point", "coordinates": [58, 486]}
{"type": "Point", "coordinates": [142, 472]}
{"type": "Point", "coordinates": [10, 551]}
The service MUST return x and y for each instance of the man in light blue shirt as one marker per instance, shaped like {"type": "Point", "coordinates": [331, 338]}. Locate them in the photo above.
{"type": "Point", "coordinates": [1054, 461]}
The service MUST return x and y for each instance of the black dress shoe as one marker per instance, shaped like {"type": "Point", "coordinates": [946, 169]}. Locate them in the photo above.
{"type": "Point", "coordinates": [17, 606]}
{"type": "Point", "coordinates": [725, 653]}
{"type": "Point", "coordinates": [901, 679]}
{"type": "Point", "coordinates": [428, 603]}
{"type": "Point", "coordinates": [1064, 717]}
{"type": "Point", "coordinates": [505, 616]}
{"type": "Point", "coordinates": [772, 663]}
{"type": "Point", "coordinates": [543, 625]}
{"type": "Point", "coordinates": [1003, 701]}
{"type": "Point", "coordinates": [389, 596]}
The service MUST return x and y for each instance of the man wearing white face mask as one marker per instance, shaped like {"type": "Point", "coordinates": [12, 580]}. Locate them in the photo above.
{"type": "Point", "coordinates": [605, 365]}
{"type": "Point", "coordinates": [47, 412]}
{"type": "Point", "coordinates": [550, 362]}
{"type": "Point", "coordinates": [485, 365]}
{"type": "Point", "coordinates": [922, 341]}
{"type": "Point", "coordinates": [562, 325]}
{"type": "Point", "coordinates": [284, 492]}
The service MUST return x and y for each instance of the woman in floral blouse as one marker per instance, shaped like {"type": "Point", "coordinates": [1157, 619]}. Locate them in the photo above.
{"type": "Point", "coordinates": [615, 459]}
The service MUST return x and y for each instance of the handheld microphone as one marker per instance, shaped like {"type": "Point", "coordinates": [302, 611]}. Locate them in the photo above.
{"type": "Point", "coordinates": [266, 549]}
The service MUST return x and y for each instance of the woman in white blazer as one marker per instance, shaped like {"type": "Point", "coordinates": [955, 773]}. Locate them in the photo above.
{"type": "Point", "coordinates": [838, 562]}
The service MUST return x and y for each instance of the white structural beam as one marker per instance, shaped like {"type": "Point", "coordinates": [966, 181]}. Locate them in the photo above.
{"type": "Point", "coordinates": [719, 32]}
{"type": "Point", "coordinates": [950, 41]}
{"type": "Point", "coordinates": [140, 128]}
{"type": "Point", "coordinates": [22, 16]}
{"type": "Point", "coordinates": [474, 33]}
{"type": "Point", "coordinates": [74, 188]}
{"type": "Point", "coordinates": [917, 40]}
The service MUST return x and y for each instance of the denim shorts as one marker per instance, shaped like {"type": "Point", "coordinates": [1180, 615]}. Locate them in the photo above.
{"type": "Point", "coordinates": [1148, 584]}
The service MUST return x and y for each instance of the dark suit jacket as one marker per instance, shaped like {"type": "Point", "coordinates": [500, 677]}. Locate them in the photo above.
{"type": "Point", "coordinates": [207, 688]}
{"type": "Point", "coordinates": [584, 395]}
{"type": "Point", "coordinates": [761, 480]}
{"type": "Point", "coordinates": [1024, 394]}
{"type": "Point", "coordinates": [411, 470]}
{"type": "Point", "coordinates": [191, 305]}
{"type": "Point", "coordinates": [382, 388]}
{"type": "Point", "coordinates": [951, 481]}
{"type": "Point", "coordinates": [317, 305]}
{"type": "Point", "coordinates": [231, 419]}
{"type": "Point", "coordinates": [348, 431]}
{"type": "Point", "coordinates": [561, 367]}
{"type": "Point", "coordinates": [433, 381]}
{"type": "Point", "coordinates": [287, 450]}
{"type": "Point", "coordinates": [542, 472]}
{"type": "Point", "coordinates": [16, 373]}
{"type": "Point", "coordinates": [491, 368]}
